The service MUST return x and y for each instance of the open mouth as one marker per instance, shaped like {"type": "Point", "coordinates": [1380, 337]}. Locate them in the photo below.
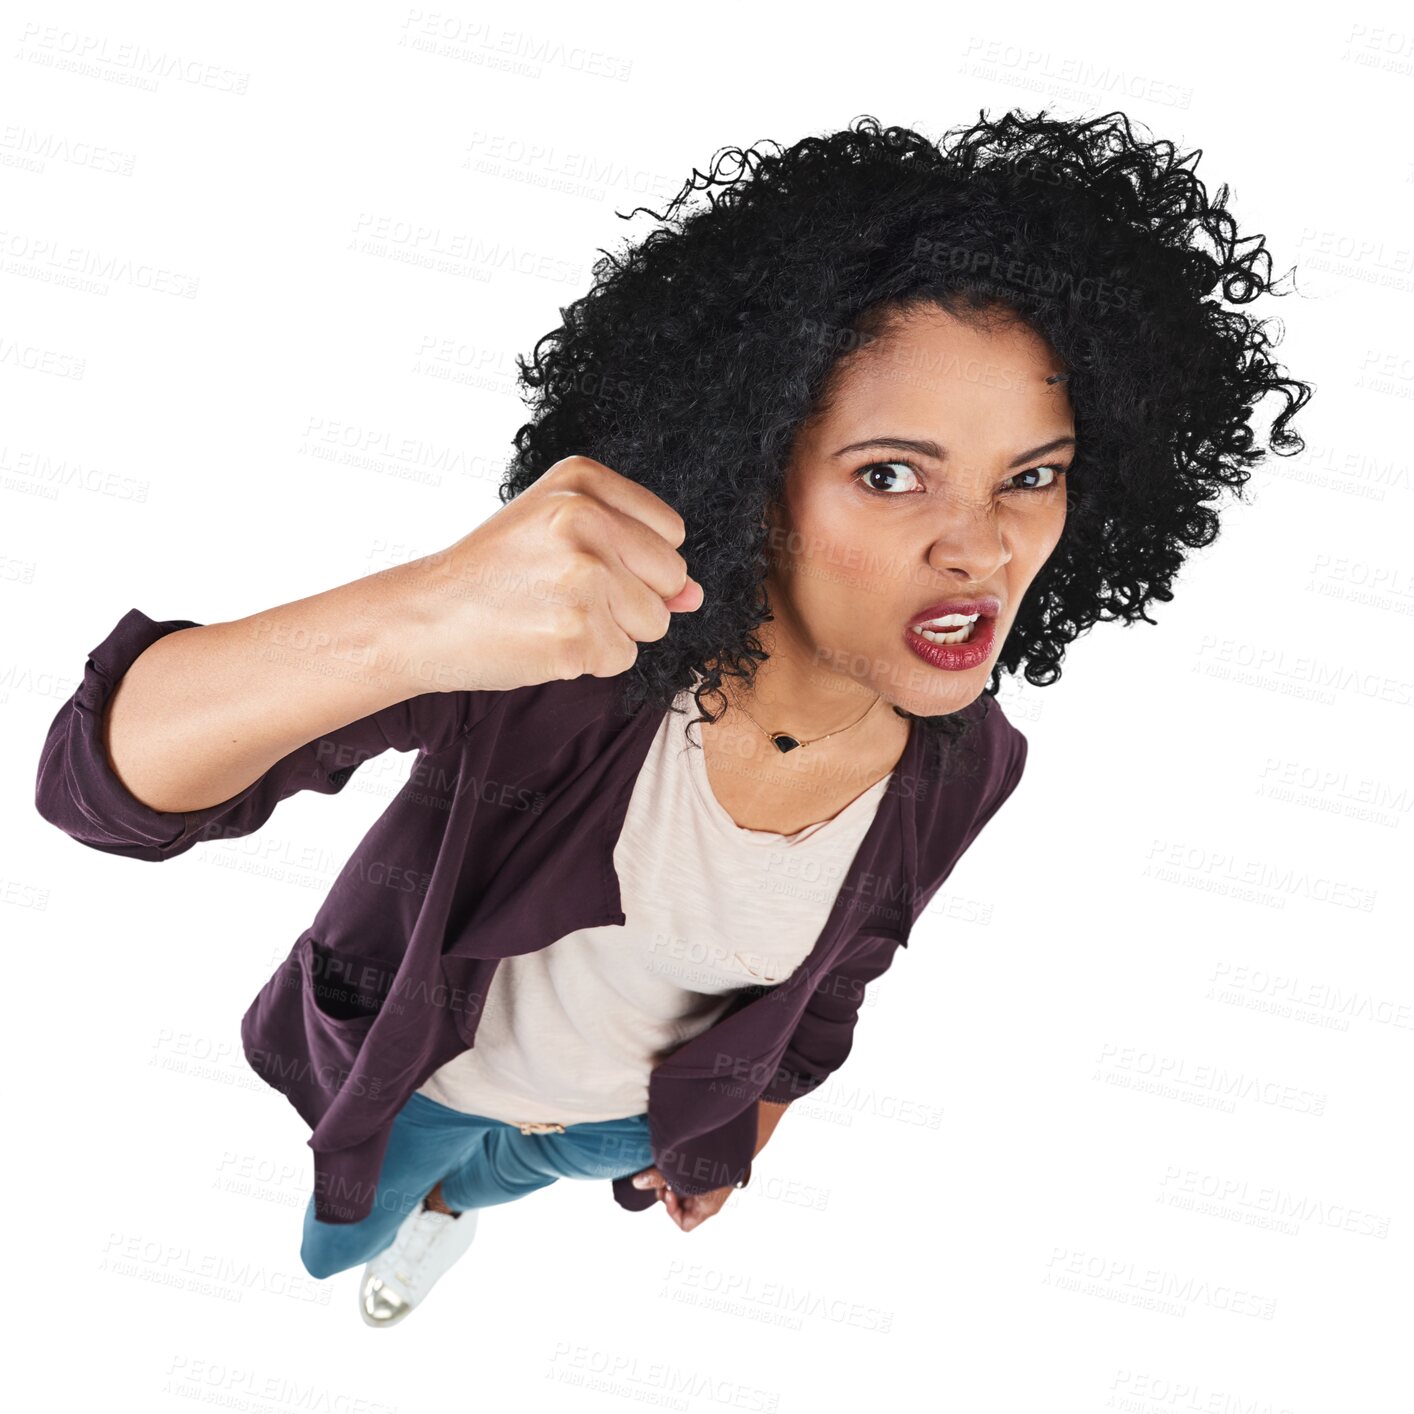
{"type": "Point", "coordinates": [951, 628]}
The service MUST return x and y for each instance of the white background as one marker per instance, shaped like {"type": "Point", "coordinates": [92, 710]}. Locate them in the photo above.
{"type": "Point", "coordinates": [1194, 888]}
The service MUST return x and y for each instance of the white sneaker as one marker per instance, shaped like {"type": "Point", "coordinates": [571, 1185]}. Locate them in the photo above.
{"type": "Point", "coordinates": [426, 1245]}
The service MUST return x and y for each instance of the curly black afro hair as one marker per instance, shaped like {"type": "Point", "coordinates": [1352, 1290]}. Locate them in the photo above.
{"type": "Point", "coordinates": [690, 363]}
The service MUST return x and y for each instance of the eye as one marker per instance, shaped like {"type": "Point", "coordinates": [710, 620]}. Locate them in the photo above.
{"type": "Point", "coordinates": [1056, 473]}
{"type": "Point", "coordinates": [868, 477]}
{"type": "Point", "coordinates": [865, 474]}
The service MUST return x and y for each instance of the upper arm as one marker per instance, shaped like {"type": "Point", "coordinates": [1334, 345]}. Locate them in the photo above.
{"type": "Point", "coordinates": [77, 789]}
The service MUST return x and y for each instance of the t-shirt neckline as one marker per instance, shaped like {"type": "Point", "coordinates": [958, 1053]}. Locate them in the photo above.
{"type": "Point", "coordinates": [696, 765]}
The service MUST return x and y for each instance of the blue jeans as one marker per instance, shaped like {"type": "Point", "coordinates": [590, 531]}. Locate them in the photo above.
{"type": "Point", "coordinates": [480, 1162]}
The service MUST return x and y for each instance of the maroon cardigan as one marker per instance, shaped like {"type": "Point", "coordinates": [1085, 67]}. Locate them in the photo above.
{"type": "Point", "coordinates": [502, 841]}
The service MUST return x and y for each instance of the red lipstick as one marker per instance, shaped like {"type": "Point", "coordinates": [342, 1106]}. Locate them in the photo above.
{"type": "Point", "coordinates": [957, 657]}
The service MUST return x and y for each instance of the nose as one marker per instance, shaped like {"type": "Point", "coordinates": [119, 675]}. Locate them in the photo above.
{"type": "Point", "coordinates": [968, 543]}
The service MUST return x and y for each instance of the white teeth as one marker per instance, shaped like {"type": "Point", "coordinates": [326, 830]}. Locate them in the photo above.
{"type": "Point", "coordinates": [951, 628]}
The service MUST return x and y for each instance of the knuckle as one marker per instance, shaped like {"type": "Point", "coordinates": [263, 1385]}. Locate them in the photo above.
{"type": "Point", "coordinates": [574, 517]}
{"type": "Point", "coordinates": [573, 647]}
{"type": "Point", "coordinates": [568, 468]}
{"type": "Point", "coordinates": [580, 563]}
{"type": "Point", "coordinates": [567, 659]}
{"type": "Point", "coordinates": [580, 581]}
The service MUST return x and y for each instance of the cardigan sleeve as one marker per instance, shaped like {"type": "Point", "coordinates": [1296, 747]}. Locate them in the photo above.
{"type": "Point", "coordinates": [824, 1036]}
{"type": "Point", "coordinates": [77, 789]}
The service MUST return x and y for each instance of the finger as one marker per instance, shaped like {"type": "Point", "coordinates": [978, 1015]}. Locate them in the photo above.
{"type": "Point", "coordinates": [644, 580]}
{"type": "Point", "coordinates": [628, 496]}
{"type": "Point", "coordinates": [689, 600]}
{"type": "Point", "coordinates": [648, 557]}
{"type": "Point", "coordinates": [641, 528]}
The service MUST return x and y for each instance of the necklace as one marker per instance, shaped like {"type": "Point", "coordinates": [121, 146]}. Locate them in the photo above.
{"type": "Point", "coordinates": [785, 742]}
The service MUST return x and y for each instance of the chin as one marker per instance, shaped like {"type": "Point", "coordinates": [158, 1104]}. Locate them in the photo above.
{"type": "Point", "coordinates": [951, 692]}
{"type": "Point", "coordinates": [944, 704]}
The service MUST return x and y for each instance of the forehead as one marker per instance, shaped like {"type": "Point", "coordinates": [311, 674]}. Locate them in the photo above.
{"type": "Point", "coordinates": [929, 366]}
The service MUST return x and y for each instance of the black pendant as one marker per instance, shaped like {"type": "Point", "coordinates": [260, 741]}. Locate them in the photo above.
{"type": "Point", "coordinates": [784, 743]}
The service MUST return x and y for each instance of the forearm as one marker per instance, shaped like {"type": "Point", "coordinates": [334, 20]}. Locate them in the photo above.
{"type": "Point", "coordinates": [205, 711]}
{"type": "Point", "coordinates": [768, 1116]}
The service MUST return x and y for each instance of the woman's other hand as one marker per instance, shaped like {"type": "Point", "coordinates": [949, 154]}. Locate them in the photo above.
{"type": "Point", "coordinates": [685, 1209]}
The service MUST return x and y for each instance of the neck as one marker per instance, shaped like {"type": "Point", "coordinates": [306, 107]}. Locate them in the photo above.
{"type": "Point", "coordinates": [808, 702]}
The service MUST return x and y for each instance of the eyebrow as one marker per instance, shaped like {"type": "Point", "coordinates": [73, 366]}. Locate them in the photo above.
{"type": "Point", "coordinates": [929, 448]}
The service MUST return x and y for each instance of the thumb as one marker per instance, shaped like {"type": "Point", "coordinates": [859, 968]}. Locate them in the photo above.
{"type": "Point", "coordinates": [683, 601]}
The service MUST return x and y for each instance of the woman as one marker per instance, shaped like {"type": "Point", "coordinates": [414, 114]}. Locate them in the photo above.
{"type": "Point", "coordinates": [920, 414]}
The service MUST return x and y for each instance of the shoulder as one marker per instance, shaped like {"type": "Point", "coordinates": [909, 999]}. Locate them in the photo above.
{"type": "Point", "coordinates": [1008, 746]}
{"type": "Point", "coordinates": [956, 814]}
{"type": "Point", "coordinates": [981, 769]}
{"type": "Point", "coordinates": [590, 696]}
{"type": "Point", "coordinates": [997, 744]}
{"type": "Point", "coordinates": [551, 714]}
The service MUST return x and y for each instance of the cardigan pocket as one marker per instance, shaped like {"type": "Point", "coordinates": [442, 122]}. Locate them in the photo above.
{"type": "Point", "coordinates": [794, 993]}
{"type": "Point", "coordinates": [307, 1027]}
{"type": "Point", "coordinates": [724, 1063]}
{"type": "Point", "coordinates": [343, 994]}
{"type": "Point", "coordinates": [755, 1071]}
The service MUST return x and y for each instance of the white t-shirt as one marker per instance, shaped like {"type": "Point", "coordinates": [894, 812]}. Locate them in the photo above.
{"type": "Point", "coordinates": [571, 1032]}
